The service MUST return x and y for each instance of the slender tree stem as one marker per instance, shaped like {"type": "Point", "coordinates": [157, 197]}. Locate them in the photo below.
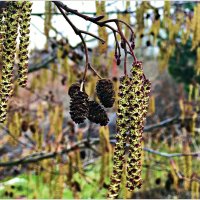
{"type": "Point", "coordinates": [125, 60]}
{"type": "Point", "coordinates": [117, 48]}
{"type": "Point", "coordinates": [86, 58]}
{"type": "Point", "coordinates": [119, 20]}
{"type": "Point", "coordinates": [123, 38]}
{"type": "Point", "coordinates": [89, 65]}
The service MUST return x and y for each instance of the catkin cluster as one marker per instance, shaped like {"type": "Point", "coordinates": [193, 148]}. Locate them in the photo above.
{"type": "Point", "coordinates": [132, 109]}
{"type": "Point", "coordinates": [11, 18]}
{"type": "Point", "coordinates": [81, 108]}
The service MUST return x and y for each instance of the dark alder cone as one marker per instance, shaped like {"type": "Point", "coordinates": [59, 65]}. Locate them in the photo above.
{"type": "Point", "coordinates": [79, 107]}
{"type": "Point", "coordinates": [97, 114]}
{"type": "Point", "coordinates": [74, 88]}
{"type": "Point", "coordinates": [63, 81]}
{"type": "Point", "coordinates": [118, 61]}
{"type": "Point", "coordinates": [105, 92]}
{"type": "Point", "coordinates": [32, 128]}
{"type": "Point", "coordinates": [24, 126]}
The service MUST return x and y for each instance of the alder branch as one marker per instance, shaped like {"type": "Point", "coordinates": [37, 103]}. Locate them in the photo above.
{"type": "Point", "coordinates": [88, 13]}
{"type": "Point", "coordinates": [76, 30]}
{"type": "Point", "coordinates": [83, 144]}
{"type": "Point", "coordinates": [96, 20]}
{"type": "Point", "coordinates": [43, 64]}
{"type": "Point", "coordinates": [163, 123]}
{"type": "Point", "coordinates": [47, 155]}
{"type": "Point", "coordinates": [170, 155]}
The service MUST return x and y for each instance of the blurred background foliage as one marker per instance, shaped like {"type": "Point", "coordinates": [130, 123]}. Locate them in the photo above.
{"type": "Point", "coordinates": [45, 155]}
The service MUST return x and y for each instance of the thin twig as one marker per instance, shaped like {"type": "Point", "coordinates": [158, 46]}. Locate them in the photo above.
{"type": "Point", "coordinates": [170, 155]}
{"type": "Point", "coordinates": [163, 123]}
{"type": "Point", "coordinates": [89, 65]}
{"type": "Point", "coordinates": [86, 58]}
{"type": "Point", "coordinates": [13, 137]}
{"type": "Point", "coordinates": [125, 59]}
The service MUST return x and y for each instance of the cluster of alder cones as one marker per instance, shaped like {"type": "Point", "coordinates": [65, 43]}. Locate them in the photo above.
{"type": "Point", "coordinates": [81, 107]}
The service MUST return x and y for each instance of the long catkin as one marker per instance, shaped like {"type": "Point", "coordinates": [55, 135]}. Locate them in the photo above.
{"type": "Point", "coordinates": [121, 137]}
{"type": "Point", "coordinates": [10, 32]}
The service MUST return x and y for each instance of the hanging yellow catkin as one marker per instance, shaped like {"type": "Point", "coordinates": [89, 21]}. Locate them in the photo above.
{"type": "Point", "coordinates": [152, 105]}
{"type": "Point", "coordinates": [197, 190]}
{"type": "Point", "coordinates": [197, 67]}
{"type": "Point", "coordinates": [174, 170]}
{"type": "Point", "coordinates": [139, 100]}
{"type": "Point", "coordinates": [165, 56]}
{"type": "Point", "coordinates": [167, 7]}
{"type": "Point", "coordinates": [193, 190]}
{"type": "Point", "coordinates": [101, 10]}
{"type": "Point", "coordinates": [65, 61]}
{"type": "Point", "coordinates": [40, 111]}
{"type": "Point", "coordinates": [105, 152]}
{"type": "Point", "coordinates": [103, 158]}
{"type": "Point", "coordinates": [79, 163]}
{"type": "Point", "coordinates": [127, 19]}
{"type": "Point", "coordinates": [10, 29]}
{"type": "Point", "coordinates": [134, 162]}
{"type": "Point", "coordinates": [14, 128]}
{"type": "Point", "coordinates": [185, 32]}
{"type": "Point", "coordinates": [195, 26]}
{"type": "Point", "coordinates": [193, 123]}
{"type": "Point", "coordinates": [140, 17]}
{"type": "Point", "coordinates": [59, 183]}
{"type": "Point", "coordinates": [58, 120]}
{"type": "Point", "coordinates": [197, 86]}
{"type": "Point", "coordinates": [90, 87]}
{"type": "Point", "coordinates": [182, 108]}
{"type": "Point", "coordinates": [187, 165]}
{"type": "Point", "coordinates": [47, 20]}
{"type": "Point", "coordinates": [44, 77]}
{"type": "Point", "coordinates": [24, 24]}
{"type": "Point", "coordinates": [155, 28]}
{"type": "Point", "coordinates": [54, 71]}
{"type": "Point", "coordinates": [121, 137]}
{"type": "Point", "coordinates": [46, 176]}
{"type": "Point", "coordinates": [190, 92]}
{"type": "Point", "coordinates": [196, 93]}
